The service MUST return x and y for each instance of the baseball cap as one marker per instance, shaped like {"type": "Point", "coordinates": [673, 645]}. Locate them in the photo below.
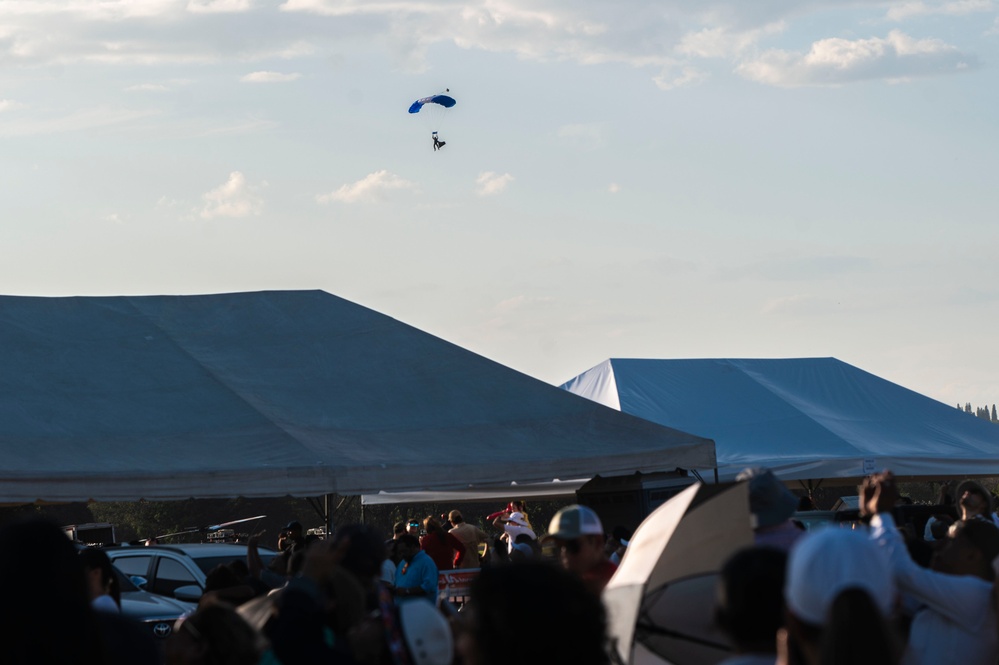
{"type": "Point", "coordinates": [574, 521]}
{"type": "Point", "coordinates": [293, 525]}
{"type": "Point", "coordinates": [826, 562]}
{"type": "Point", "coordinates": [770, 502]}
{"type": "Point", "coordinates": [427, 633]}
{"type": "Point", "coordinates": [516, 518]}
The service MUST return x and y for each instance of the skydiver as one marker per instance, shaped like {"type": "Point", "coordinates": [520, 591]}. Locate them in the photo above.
{"type": "Point", "coordinates": [438, 144]}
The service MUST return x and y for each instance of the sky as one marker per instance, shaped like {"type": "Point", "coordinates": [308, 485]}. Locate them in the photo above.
{"type": "Point", "coordinates": [631, 179]}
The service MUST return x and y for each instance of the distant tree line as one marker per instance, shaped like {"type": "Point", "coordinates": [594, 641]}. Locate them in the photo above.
{"type": "Point", "coordinates": [980, 411]}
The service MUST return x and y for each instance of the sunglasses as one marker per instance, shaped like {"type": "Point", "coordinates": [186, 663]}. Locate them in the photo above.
{"type": "Point", "coordinates": [414, 524]}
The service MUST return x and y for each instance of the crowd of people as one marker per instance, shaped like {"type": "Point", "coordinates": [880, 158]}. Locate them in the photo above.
{"type": "Point", "coordinates": [877, 593]}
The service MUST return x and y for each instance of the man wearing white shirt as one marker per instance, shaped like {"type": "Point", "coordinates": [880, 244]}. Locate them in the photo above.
{"type": "Point", "coordinates": [954, 620]}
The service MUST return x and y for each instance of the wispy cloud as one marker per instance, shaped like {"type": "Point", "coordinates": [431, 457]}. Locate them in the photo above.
{"type": "Point", "coordinates": [613, 188]}
{"type": "Point", "coordinates": [489, 183]}
{"type": "Point", "coordinates": [234, 198]}
{"type": "Point", "coordinates": [837, 61]}
{"type": "Point", "coordinates": [269, 77]}
{"type": "Point", "coordinates": [9, 105]}
{"type": "Point", "coordinates": [81, 120]}
{"type": "Point", "coordinates": [584, 136]}
{"type": "Point", "coordinates": [371, 188]}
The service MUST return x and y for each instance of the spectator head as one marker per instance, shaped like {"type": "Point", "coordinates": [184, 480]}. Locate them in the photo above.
{"type": "Point", "coordinates": [413, 526]}
{"type": "Point", "coordinates": [969, 549]}
{"type": "Point", "coordinates": [543, 606]}
{"type": "Point", "coordinates": [750, 601]}
{"type": "Point", "coordinates": [48, 617]}
{"type": "Point", "coordinates": [407, 547]}
{"type": "Point", "coordinates": [365, 551]}
{"type": "Point", "coordinates": [455, 517]}
{"type": "Point", "coordinates": [838, 591]}
{"type": "Point", "coordinates": [770, 502]}
{"type": "Point", "coordinates": [398, 529]}
{"type": "Point", "coordinates": [101, 579]}
{"type": "Point", "coordinates": [973, 499]}
{"type": "Point", "coordinates": [579, 535]}
{"type": "Point", "coordinates": [214, 634]}
{"type": "Point", "coordinates": [432, 525]}
{"type": "Point", "coordinates": [294, 529]}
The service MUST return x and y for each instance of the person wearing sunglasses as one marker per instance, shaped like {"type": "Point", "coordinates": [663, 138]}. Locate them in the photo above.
{"type": "Point", "coordinates": [579, 537]}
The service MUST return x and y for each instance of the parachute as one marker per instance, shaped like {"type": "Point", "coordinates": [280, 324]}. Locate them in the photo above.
{"type": "Point", "coordinates": [433, 109]}
{"type": "Point", "coordinates": [442, 100]}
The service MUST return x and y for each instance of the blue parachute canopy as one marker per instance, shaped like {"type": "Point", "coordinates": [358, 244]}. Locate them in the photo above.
{"type": "Point", "coordinates": [443, 100]}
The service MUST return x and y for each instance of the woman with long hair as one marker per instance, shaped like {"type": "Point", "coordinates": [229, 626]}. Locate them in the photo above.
{"type": "Point", "coordinates": [446, 550]}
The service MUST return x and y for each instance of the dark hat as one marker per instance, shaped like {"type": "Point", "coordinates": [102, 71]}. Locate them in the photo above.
{"type": "Point", "coordinates": [290, 526]}
{"type": "Point", "coordinates": [770, 502]}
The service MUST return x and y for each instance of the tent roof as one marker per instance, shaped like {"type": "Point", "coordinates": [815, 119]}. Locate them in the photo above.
{"type": "Point", "coordinates": [278, 393]}
{"type": "Point", "coordinates": [805, 418]}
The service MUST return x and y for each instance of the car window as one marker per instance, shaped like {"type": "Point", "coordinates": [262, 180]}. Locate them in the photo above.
{"type": "Point", "coordinates": [133, 565]}
{"type": "Point", "coordinates": [171, 574]}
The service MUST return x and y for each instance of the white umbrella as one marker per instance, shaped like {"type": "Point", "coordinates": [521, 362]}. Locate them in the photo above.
{"type": "Point", "coordinates": [660, 602]}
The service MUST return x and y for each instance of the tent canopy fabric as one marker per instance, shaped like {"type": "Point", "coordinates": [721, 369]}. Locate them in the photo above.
{"type": "Point", "coordinates": [281, 393]}
{"type": "Point", "coordinates": [804, 418]}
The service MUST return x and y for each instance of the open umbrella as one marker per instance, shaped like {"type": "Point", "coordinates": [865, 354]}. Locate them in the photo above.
{"type": "Point", "coordinates": [660, 602]}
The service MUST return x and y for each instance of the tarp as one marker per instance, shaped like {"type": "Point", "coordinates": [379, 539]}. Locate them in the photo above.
{"type": "Point", "coordinates": [557, 489]}
{"type": "Point", "coordinates": [281, 393]}
{"type": "Point", "coordinates": [805, 418]}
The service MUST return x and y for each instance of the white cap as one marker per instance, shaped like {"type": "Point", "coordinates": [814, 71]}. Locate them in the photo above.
{"type": "Point", "coordinates": [825, 562]}
{"type": "Point", "coordinates": [427, 633]}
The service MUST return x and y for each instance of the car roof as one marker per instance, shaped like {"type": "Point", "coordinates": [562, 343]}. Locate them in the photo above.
{"type": "Point", "coordinates": [195, 550]}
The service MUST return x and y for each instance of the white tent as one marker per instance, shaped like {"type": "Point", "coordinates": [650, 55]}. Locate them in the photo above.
{"type": "Point", "coordinates": [281, 393]}
{"type": "Point", "coordinates": [805, 418]}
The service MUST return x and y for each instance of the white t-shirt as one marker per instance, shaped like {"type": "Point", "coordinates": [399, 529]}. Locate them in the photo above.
{"type": "Point", "coordinates": [513, 530]}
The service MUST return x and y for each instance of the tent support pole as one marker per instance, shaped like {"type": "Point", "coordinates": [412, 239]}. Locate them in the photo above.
{"type": "Point", "coordinates": [716, 475]}
{"type": "Point", "coordinates": [328, 509]}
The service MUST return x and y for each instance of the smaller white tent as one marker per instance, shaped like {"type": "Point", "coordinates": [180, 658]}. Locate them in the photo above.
{"type": "Point", "coordinates": [804, 418]}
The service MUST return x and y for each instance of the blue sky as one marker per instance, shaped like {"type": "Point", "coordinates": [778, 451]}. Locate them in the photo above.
{"type": "Point", "coordinates": [633, 179]}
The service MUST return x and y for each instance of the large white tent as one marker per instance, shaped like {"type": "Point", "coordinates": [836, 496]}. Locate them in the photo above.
{"type": "Point", "coordinates": [282, 393]}
{"type": "Point", "coordinates": [805, 418]}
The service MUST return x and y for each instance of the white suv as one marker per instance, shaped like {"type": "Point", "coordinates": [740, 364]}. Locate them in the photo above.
{"type": "Point", "coordinates": [177, 571]}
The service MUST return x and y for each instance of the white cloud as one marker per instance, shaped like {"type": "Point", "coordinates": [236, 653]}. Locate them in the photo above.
{"type": "Point", "coordinates": [836, 61]}
{"type": "Point", "coordinates": [269, 77]}
{"type": "Point", "coordinates": [674, 76]}
{"type": "Point", "coordinates": [489, 183]}
{"type": "Point", "coordinates": [907, 10]}
{"type": "Point", "coordinates": [613, 188]}
{"type": "Point", "coordinates": [372, 187]}
{"type": "Point", "coordinates": [235, 198]}
{"type": "Point", "coordinates": [9, 105]}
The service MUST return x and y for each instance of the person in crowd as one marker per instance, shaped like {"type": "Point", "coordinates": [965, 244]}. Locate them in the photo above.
{"type": "Point", "coordinates": [772, 506]}
{"type": "Point", "coordinates": [413, 526]}
{"type": "Point", "coordinates": [750, 604]}
{"type": "Point", "coordinates": [470, 536]}
{"type": "Point", "coordinates": [512, 507]}
{"type": "Point", "coordinates": [442, 546]}
{"type": "Point", "coordinates": [532, 613]}
{"type": "Point", "coordinates": [953, 616]}
{"type": "Point", "coordinates": [223, 584]}
{"type": "Point", "coordinates": [398, 529]}
{"type": "Point", "coordinates": [513, 524]}
{"type": "Point", "coordinates": [102, 583]}
{"type": "Point", "coordinates": [839, 595]}
{"type": "Point", "coordinates": [48, 616]}
{"type": "Point", "coordinates": [291, 537]}
{"type": "Point", "coordinates": [974, 501]}
{"type": "Point", "coordinates": [945, 500]}
{"type": "Point", "coordinates": [416, 574]}
{"type": "Point", "coordinates": [213, 635]}
{"type": "Point", "coordinates": [579, 536]}
{"type": "Point", "coordinates": [617, 544]}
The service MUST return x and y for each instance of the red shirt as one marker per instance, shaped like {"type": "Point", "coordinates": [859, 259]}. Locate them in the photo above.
{"type": "Point", "coordinates": [596, 578]}
{"type": "Point", "coordinates": [443, 548]}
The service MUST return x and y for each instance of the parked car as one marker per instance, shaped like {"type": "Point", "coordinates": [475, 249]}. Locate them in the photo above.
{"type": "Point", "coordinates": [157, 614]}
{"type": "Point", "coordinates": [177, 571]}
